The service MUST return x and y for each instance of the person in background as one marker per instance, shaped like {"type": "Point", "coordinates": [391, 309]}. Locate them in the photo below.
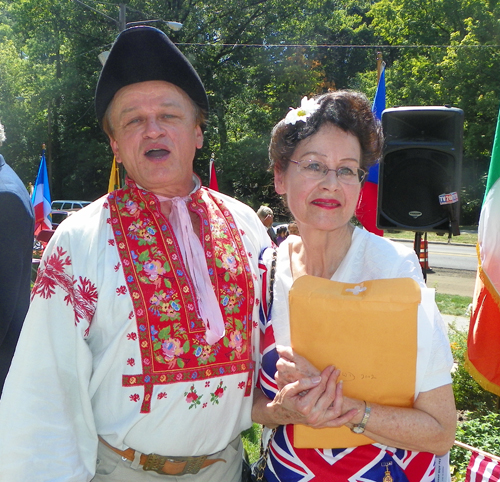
{"type": "Point", "coordinates": [16, 252]}
{"type": "Point", "coordinates": [293, 228]}
{"type": "Point", "coordinates": [320, 154]}
{"type": "Point", "coordinates": [281, 234]}
{"type": "Point", "coordinates": [137, 357]}
{"type": "Point", "coordinates": [266, 216]}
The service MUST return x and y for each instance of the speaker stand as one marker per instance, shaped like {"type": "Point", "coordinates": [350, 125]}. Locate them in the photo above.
{"type": "Point", "coordinates": [417, 246]}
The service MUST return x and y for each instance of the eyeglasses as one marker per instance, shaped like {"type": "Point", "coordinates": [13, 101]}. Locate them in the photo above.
{"type": "Point", "coordinates": [317, 170]}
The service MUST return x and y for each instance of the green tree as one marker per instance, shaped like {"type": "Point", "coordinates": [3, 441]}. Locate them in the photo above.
{"type": "Point", "coordinates": [447, 56]}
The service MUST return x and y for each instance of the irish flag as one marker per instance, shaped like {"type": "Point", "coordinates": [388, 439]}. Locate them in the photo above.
{"type": "Point", "coordinates": [483, 344]}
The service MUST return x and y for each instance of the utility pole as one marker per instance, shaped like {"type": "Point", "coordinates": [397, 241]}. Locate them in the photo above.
{"type": "Point", "coordinates": [122, 19]}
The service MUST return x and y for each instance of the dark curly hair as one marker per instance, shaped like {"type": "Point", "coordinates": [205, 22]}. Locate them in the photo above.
{"type": "Point", "coordinates": [346, 109]}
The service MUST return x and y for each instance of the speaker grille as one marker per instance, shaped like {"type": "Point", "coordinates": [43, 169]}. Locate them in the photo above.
{"type": "Point", "coordinates": [413, 180]}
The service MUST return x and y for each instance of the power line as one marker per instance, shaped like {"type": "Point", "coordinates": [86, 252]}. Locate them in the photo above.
{"type": "Point", "coordinates": [338, 46]}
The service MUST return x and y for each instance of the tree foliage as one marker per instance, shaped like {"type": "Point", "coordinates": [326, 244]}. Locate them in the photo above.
{"type": "Point", "coordinates": [257, 58]}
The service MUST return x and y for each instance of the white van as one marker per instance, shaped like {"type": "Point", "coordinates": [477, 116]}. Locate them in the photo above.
{"type": "Point", "coordinates": [65, 205]}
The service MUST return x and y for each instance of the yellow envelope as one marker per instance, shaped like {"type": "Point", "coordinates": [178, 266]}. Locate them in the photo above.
{"type": "Point", "coordinates": [367, 330]}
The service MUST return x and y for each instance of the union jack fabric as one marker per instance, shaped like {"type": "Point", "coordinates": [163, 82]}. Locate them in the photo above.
{"type": "Point", "coordinates": [482, 469]}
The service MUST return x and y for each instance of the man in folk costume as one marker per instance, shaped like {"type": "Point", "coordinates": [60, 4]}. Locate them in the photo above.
{"type": "Point", "coordinates": [136, 361]}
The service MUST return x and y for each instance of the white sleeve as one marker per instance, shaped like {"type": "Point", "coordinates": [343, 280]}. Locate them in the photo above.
{"type": "Point", "coordinates": [440, 359]}
{"type": "Point", "coordinates": [434, 360]}
{"type": "Point", "coordinates": [47, 426]}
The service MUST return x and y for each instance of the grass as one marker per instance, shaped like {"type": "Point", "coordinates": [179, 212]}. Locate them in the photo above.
{"type": "Point", "coordinates": [453, 304]}
{"type": "Point", "coordinates": [251, 442]}
{"type": "Point", "coordinates": [465, 238]}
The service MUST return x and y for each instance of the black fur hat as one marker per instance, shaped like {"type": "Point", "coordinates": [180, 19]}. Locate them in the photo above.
{"type": "Point", "coordinates": [144, 53]}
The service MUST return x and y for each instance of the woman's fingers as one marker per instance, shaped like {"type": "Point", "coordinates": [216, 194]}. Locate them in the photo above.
{"type": "Point", "coordinates": [315, 401]}
{"type": "Point", "coordinates": [291, 367]}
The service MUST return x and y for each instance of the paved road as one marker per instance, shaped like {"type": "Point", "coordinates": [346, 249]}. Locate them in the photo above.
{"type": "Point", "coordinates": [452, 281]}
{"type": "Point", "coordinates": [453, 267]}
{"type": "Point", "coordinates": [450, 256]}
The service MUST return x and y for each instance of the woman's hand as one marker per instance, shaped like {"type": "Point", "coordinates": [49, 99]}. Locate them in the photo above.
{"type": "Point", "coordinates": [292, 367]}
{"type": "Point", "coordinates": [316, 402]}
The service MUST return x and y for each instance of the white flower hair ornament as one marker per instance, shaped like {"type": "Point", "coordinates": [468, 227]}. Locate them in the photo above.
{"type": "Point", "coordinates": [307, 108]}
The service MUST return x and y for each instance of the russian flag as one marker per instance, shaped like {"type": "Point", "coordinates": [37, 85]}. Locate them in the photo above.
{"type": "Point", "coordinates": [366, 210]}
{"type": "Point", "coordinates": [41, 198]}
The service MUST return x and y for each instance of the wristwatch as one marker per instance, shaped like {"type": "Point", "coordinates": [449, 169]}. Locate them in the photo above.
{"type": "Point", "coordinates": [360, 427]}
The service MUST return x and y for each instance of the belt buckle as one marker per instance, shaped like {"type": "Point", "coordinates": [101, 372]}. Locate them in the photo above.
{"type": "Point", "coordinates": [156, 463]}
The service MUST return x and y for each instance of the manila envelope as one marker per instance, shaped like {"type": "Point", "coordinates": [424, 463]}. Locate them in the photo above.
{"type": "Point", "coordinates": [368, 331]}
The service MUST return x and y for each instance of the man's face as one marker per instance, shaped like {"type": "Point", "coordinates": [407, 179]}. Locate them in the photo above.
{"type": "Point", "coordinates": [155, 136]}
{"type": "Point", "coordinates": [268, 220]}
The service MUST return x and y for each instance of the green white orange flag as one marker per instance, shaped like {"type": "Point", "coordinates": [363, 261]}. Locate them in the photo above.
{"type": "Point", "coordinates": [483, 344]}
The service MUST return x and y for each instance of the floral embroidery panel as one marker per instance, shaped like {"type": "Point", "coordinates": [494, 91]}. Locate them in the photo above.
{"type": "Point", "coordinates": [170, 334]}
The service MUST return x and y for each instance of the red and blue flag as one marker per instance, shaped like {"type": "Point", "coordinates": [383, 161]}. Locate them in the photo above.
{"type": "Point", "coordinates": [41, 198]}
{"type": "Point", "coordinates": [366, 210]}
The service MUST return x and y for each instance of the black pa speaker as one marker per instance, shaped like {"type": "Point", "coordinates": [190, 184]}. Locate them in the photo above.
{"type": "Point", "coordinates": [420, 170]}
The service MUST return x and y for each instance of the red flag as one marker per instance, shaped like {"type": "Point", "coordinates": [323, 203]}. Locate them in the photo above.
{"type": "Point", "coordinates": [212, 184]}
{"type": "Point", "coordinates": [482, 469]}
{"type": "Point", "coordinates": [366, 211]}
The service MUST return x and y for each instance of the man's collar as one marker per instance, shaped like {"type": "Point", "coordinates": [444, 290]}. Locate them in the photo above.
{"type": "Point", "coordinates": [196, 180]}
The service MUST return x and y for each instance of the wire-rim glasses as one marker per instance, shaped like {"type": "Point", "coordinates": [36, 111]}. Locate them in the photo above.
{"type": "Point", "coordinates": [318, 170]}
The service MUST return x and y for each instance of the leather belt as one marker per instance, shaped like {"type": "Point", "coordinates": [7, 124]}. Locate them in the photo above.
{"type": "Point", "coordinates": [165, 465]}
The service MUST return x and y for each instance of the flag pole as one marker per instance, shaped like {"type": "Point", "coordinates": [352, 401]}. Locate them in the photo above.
{"type": "Point", "coordinates": [474, 449]}
{"type": "Point", "coordinates": [379, 66]}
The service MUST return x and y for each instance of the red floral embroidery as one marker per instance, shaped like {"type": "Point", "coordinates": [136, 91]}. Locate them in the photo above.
{"type": "Point", "coordinates": [135, 397]}
{"type": "Point", "coordinates": [131, 362]}
{"type": "Point", "coordinates": [111, 242]}
{"type": "Point", "coordinates": [241, 385]}
{"type": "Point", "coordinates": [192, 397]}
{"type": "Point", "coordinates": [162, 395]}
{"type": "Point", "coordinates": [132, 336]}
{"type": "Point", "coordinates": [122, 290]}
{"type": "Point", "coordinates": [83, 299]}
{"type": "Point", "coordinates": [117, 267]}
{"type": "Point", "coordinates": [219, 391]}
{"type": "Point", "coordinates": [131, 315]}
{"type": "Point", "coordinates": [81, 294]}
{"type": "Point", "coordinates": [53, 275]}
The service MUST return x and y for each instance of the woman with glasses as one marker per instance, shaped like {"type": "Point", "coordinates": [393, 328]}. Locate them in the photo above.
{"type": "Point", "coordinates": [320, 153]}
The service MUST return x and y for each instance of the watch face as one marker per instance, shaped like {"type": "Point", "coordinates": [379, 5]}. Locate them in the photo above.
{"type": "Point", "coordinates": [358, 429]}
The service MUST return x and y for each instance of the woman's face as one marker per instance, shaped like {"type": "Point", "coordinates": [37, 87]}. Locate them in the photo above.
{"type": "Point", "coordinates": [325, 204]}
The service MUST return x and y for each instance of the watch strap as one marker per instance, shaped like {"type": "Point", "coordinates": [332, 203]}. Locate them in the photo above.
{"type": "Point", "coordinates": [360, 427]}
